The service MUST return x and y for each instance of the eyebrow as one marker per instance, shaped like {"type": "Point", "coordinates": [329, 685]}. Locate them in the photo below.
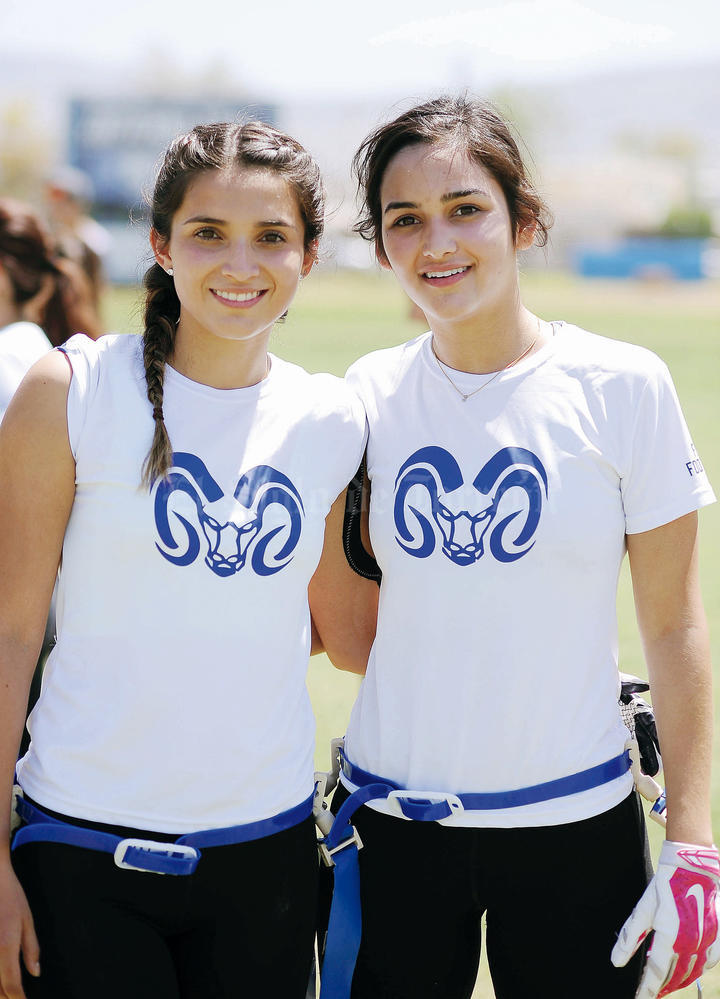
{"type": "Point", "coordinates": [205, 220]}
{"type": "Point", "coordinates": [450, 196]}
{"type": "Point", "coordinates": [454, 195]}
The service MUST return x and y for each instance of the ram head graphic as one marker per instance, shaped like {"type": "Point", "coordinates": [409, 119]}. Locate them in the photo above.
{"type": "Point", "coordinates": [432, 500]}
{"type": "Point", "coordinates": [227, 526]}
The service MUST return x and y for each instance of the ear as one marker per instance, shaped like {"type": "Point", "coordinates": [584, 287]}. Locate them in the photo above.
{"type": "Point", "coordinates": [526, 236]}
{"type": "Point", "coordinates": [310, 258]}
{"type": "Point", "coordinates": [159, 247]}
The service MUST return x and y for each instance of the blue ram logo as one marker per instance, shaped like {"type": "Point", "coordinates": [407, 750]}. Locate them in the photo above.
{"type": "Point", "coordinates": [465, 515]}
{"type": "Point", "coordinates": [228, 525]}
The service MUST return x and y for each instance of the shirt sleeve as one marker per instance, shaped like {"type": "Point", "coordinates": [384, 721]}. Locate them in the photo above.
{"type": "Point", "coordinates": [357, 431]}
{"type": "Point", "coordinates": [663, 476]}
{"type": "Point", "coordinates": [82, 353]}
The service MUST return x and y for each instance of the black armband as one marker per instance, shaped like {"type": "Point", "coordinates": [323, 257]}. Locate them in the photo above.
{"type": "Point", "coordinates": [358, 558]}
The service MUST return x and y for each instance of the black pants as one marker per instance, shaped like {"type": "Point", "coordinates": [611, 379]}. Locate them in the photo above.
{"type": "Point", "coordinates": [555, 898]}
{"type": "Point", "coordinates": [241, 926]}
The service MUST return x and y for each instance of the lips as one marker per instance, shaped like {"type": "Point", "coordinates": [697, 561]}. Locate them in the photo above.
{"type": "Point", "coordinates": [239, 298]}
{"type": "Point", "coordinates": [446, 276]}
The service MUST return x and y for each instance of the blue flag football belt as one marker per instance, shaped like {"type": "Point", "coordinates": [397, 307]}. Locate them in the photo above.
{"type": "Point", "coordinates": [178, 857]}
{"type": "Point", "coordinates": [339, 848]}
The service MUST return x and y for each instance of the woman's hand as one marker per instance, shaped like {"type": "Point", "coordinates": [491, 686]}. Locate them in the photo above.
{"type": "Point", "coordinates": [17, 935]}
{"type": "Point", "coordinates": [681, 906]}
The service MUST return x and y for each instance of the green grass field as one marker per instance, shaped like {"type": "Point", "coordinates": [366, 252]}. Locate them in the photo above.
{"type": "Point", "coordinates": [338, 316]}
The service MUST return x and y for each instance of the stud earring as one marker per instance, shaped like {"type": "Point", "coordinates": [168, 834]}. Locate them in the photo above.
{"type": "Point", "coordinates": [170, 272]}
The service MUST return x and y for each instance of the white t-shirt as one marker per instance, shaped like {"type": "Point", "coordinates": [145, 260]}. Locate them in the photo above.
{"type": "Point", "coordinates": [499, 524]}
{"type": "Point", "coordinates": [21, 344]}
{"type": "Point", "coordinates": [175, 698]}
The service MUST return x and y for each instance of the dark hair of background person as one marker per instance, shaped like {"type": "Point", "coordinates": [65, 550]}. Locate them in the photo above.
{"type": "Point", "coordinates": [39, 284]}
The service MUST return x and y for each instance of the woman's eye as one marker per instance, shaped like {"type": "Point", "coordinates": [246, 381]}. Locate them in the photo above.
{"type": "Point", "coordinates": [467, 210]}
{"type": "Point", "coordinates": [404, 220]}
{"type": "Point", "coordinates": [207, 234]}
{"type": "Point", "coordinates": [272, 237]}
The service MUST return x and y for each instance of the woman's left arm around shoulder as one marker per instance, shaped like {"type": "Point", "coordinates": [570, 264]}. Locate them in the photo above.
{"type": "Point", "coordinates": [343, 604]}
{"type": "Point", "coordinates": [671, 618]}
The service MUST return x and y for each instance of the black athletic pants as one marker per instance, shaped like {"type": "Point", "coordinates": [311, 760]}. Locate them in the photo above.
{"type": "Point", "coordinates": [555, 898]}
{"type": "Point", "coordinates": [241, 926]}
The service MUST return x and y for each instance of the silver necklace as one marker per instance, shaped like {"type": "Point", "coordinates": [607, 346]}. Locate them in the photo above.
{"type": "Point", "coordinates": [466, 395]}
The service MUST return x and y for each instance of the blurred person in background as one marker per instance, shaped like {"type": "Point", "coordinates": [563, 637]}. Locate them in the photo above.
{"type": "Point", "coordinates": [30, 295]}
{"type": "Point", "coordinates": [78, 236]}
{"type": "Point", "coordinates": [37, 288]}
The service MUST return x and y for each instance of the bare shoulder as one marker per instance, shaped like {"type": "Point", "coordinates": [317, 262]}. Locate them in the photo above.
{"type": "Point", "coordinates": [37, 411]}
{"type": "Point", "coordinates": [46, 378]}
{"type": "Point", "coordinates": [35, 452]}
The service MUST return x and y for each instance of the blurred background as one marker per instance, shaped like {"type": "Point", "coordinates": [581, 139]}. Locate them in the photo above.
{"type": "Point", "coordinates": [617, 104]}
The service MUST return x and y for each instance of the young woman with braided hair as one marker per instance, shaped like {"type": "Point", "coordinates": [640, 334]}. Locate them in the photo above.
{"type": "Point", "coordinates": [184, 477]}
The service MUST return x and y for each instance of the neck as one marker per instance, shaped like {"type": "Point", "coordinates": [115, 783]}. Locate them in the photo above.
{"type": "Point", "coordinates": [491, 345]}
{"type": "Point", "coordinates": [9, 314]}
{"type": "Point", "coordinates": [220, 363]}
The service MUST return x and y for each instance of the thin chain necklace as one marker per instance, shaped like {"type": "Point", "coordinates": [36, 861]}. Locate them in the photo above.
{"type": "Point", "coordinates": [466, 395]}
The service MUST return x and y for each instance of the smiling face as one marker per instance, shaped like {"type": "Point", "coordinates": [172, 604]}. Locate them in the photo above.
{"type": "Point", "coordinates": [448, 237]}
{"type": "Point", "coordinates": [237, 250]}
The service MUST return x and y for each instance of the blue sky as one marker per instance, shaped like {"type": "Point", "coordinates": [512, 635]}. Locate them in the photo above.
{"type": "Point", "coordinates": [326, 47]}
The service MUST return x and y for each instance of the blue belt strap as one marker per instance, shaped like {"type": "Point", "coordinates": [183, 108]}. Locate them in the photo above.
{"type": "Point", "coordinates": [179, 857]}
{"type": "Point", "coordinates": [342, 844]}
{"type": "Point", "coordinates": [487, 800]}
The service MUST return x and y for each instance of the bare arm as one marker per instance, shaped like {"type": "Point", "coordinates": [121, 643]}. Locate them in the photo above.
{"type": "Point", "coordinates": [664, 566]}
{"type": "Point", "coordinates": [343, 604]}
{"type": "Point", "coordinates": [37, 472]}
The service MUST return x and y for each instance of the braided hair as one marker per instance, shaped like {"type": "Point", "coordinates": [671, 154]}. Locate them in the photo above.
{"type": "Point", "coordinates": [209, 147]}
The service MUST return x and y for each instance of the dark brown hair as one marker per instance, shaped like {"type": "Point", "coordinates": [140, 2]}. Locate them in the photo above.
{"type": "Point", "coordinates": [28, 258]}
{"type": "Point", "coordinates": [473, 127]}
{"type": "Point", "coordinates": [210, 147]}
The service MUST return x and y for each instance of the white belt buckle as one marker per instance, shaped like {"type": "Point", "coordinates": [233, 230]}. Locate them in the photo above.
{"type": "Point", "coordinates": [149, 846]}
{"type": "Point", "coordinates": [327, 855]}
{"type": "Point", "coordinates": [395, 797]}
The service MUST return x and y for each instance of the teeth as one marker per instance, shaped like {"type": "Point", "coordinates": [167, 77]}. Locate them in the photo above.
{"type": "Point", "coordinates": [444, 274]}
{"type": "Point", "coordinates": [233, 296]}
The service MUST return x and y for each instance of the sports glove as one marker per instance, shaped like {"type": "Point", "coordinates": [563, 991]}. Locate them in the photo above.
{"type": "Point", "coordinates": [682, 906]}
{"type": "Point", "coordinates": [640, 720]}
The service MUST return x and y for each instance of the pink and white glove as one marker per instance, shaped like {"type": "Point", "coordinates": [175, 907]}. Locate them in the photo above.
{"type": "Point", "coordinates": [682, 906]}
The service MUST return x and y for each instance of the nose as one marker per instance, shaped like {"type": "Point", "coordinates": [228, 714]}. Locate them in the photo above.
{"type": "Point", "coordinates": [439, 240]}
{"type": "Point", "coordinates": [240, 262]}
